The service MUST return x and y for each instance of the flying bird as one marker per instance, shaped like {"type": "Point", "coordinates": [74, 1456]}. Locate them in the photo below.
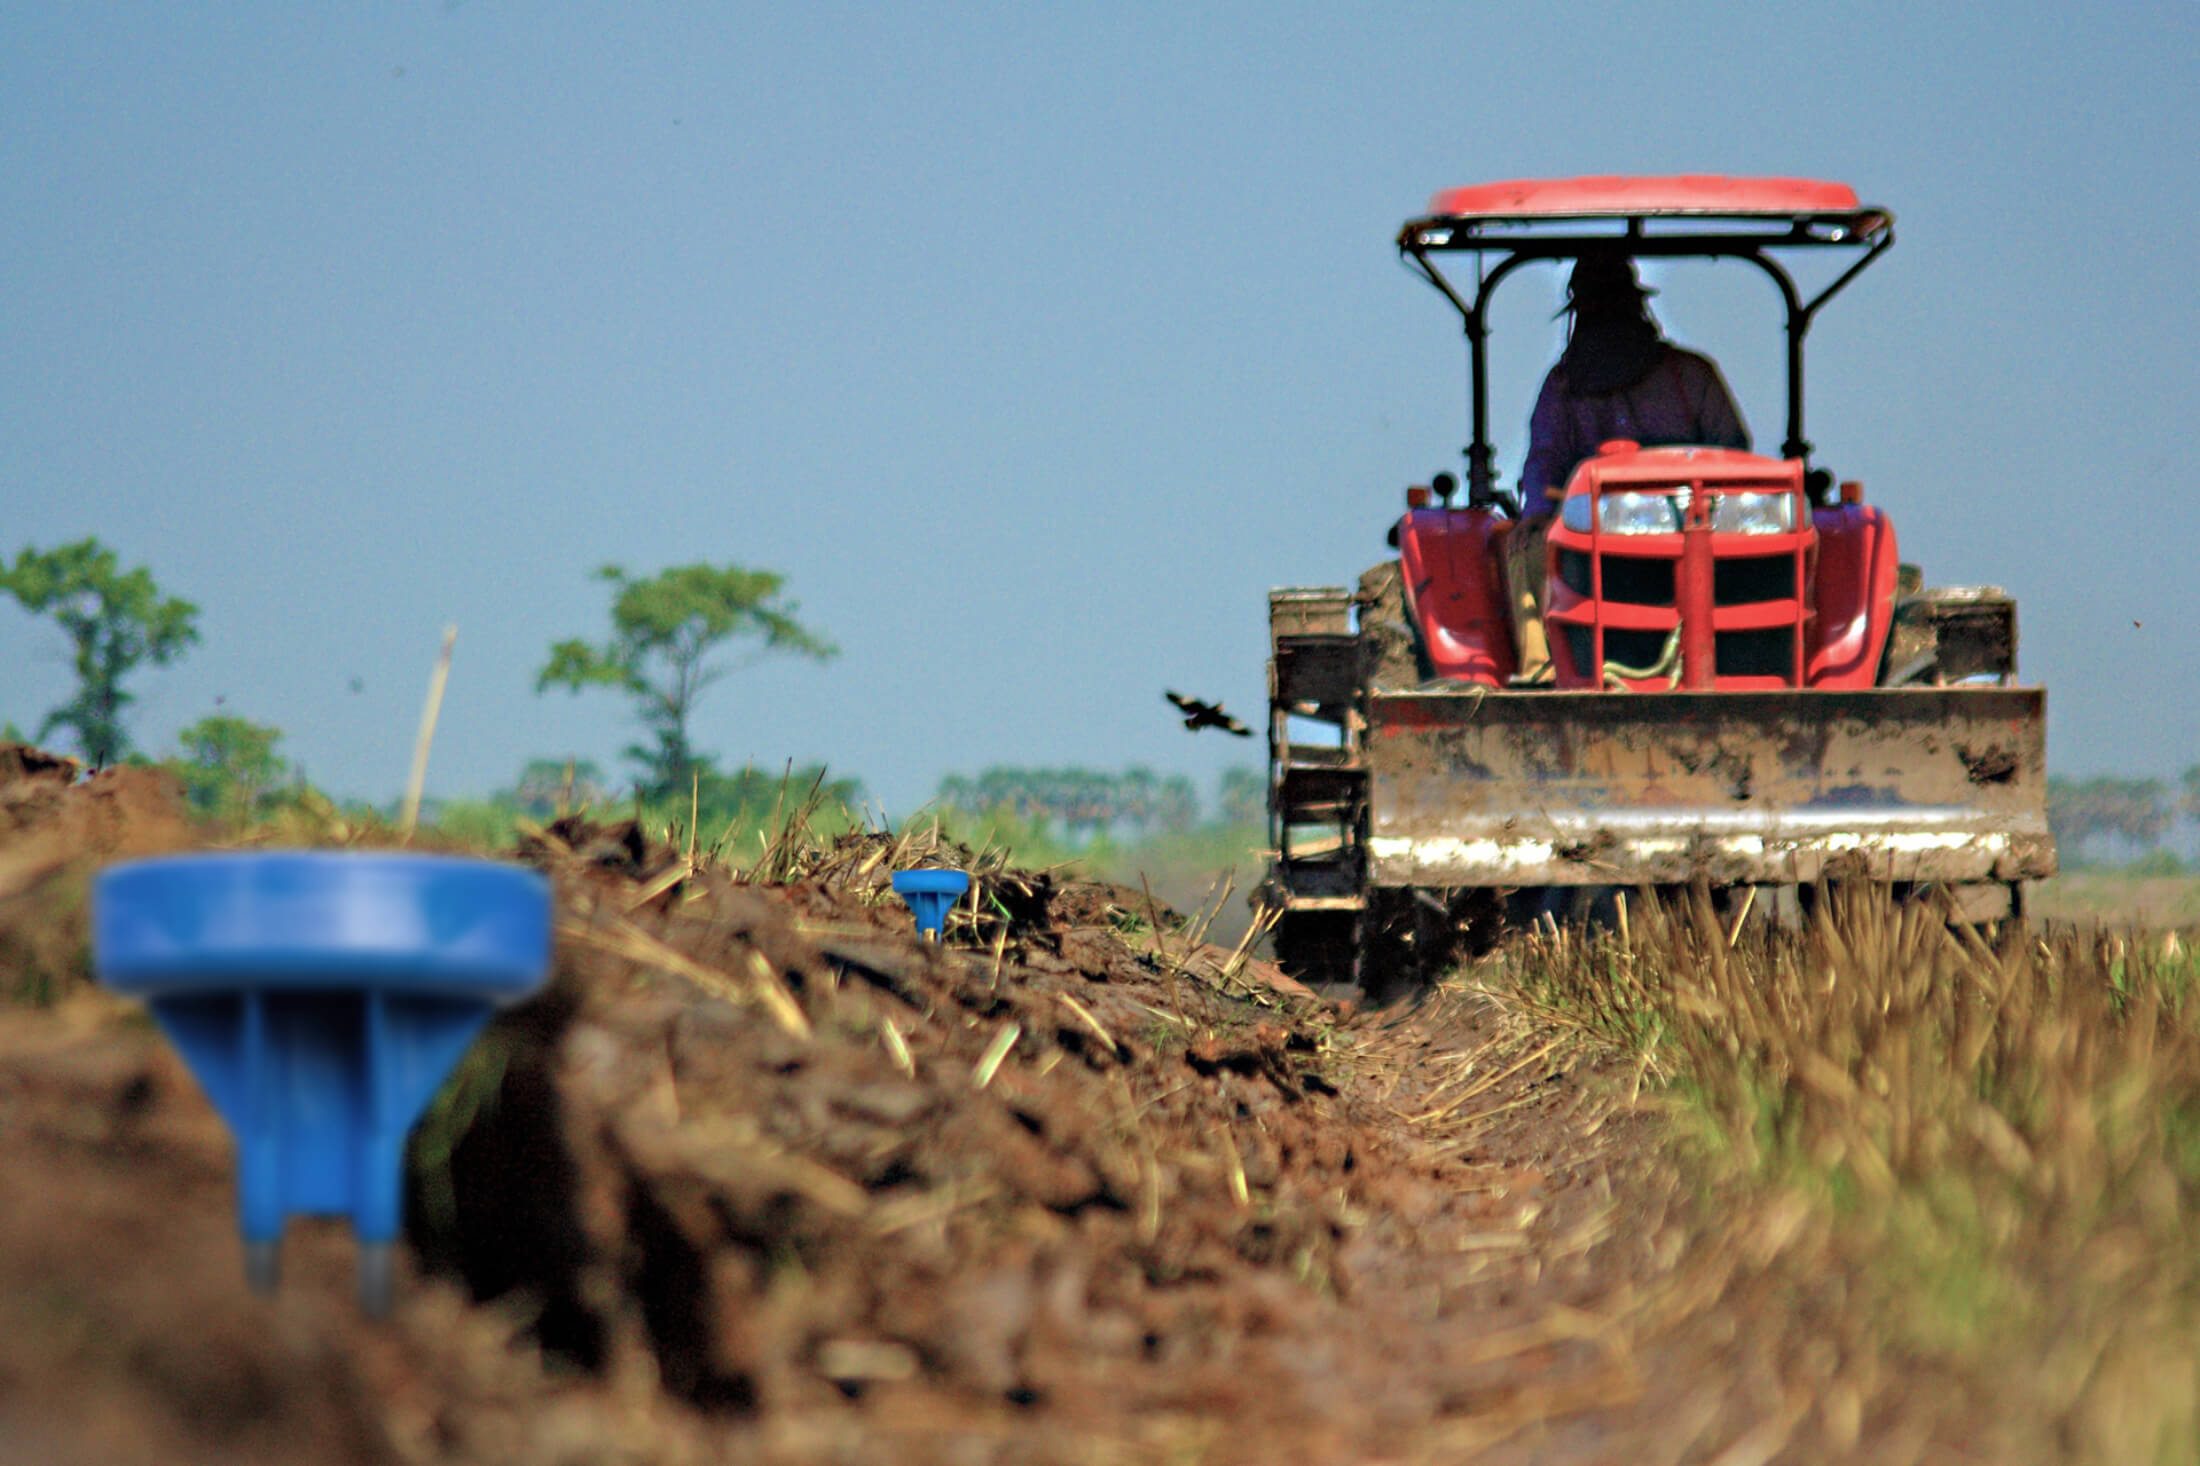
{"type": "Point", "coordinates": [1198, 715]}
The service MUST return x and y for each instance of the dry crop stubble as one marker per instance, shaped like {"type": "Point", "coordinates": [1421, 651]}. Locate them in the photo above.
{"type": "Point", "coordinates": [1945, 1182]}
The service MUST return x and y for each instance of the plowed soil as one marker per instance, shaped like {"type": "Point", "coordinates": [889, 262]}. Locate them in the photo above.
{"type": "Point", "coordinates": [761, 1176]}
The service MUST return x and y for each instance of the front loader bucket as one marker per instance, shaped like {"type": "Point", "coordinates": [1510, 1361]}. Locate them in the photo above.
{"type": "Point", "coordinates": [1473, 787]}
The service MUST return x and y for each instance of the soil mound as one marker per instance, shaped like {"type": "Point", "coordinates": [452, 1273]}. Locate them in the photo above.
{"type": "Point", "coordinates": [762, 1176]}
{"type": "Point", "coordinates": [56, 827]}
{"type": "Point", "coordinates": [815, 1168]}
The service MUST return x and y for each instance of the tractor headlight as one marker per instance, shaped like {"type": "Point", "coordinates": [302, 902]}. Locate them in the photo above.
{"type": "Point", "coordinates": [1630, 512]}
{"type": "Point", "coordinates": [1753, 513]}
{"type": "Point", "coordinates": [1574, 513]}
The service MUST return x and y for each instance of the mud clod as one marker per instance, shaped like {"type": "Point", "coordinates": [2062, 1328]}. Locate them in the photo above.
{"type": "Point", "coordinates": [1990, 765]}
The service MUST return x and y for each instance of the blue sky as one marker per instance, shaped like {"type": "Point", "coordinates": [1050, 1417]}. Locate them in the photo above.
{"type": "Point", "coordinates": [1032, 343]}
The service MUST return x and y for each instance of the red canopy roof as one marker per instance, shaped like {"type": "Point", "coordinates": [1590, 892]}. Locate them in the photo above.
{"type": "Point", "coordinates": [1620, 197]}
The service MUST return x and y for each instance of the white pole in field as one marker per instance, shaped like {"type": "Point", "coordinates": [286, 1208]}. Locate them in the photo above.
{"type": "Point", "coordinates": [418, 783]}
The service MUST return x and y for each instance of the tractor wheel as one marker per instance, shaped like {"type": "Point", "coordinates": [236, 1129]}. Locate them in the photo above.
{"type": "Point", "coordinates": [1318, 947]}
{"type": "Point", "coordinates": [1410, 938]}
{"type": "Point", "coordinates": [1400, 938]}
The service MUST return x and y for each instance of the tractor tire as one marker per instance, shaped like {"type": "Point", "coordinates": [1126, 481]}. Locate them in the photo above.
{"type": "Point", "coordinates": [1319, 948]}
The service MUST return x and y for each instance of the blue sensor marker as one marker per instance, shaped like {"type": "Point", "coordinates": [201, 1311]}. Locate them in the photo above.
{"type": "Point", "coordinates": [321, 998]}
{"type": "Point", "coordinates": [929, 894]}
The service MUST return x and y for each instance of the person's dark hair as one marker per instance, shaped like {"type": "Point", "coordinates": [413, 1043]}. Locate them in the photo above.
{"type": "Point", "coordinates": [1604, 284]}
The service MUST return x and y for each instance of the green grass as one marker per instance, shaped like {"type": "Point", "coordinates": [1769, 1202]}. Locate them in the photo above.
{"type": "Point", "coordinates": [2159, 899]}
{"type": "Point", "coordinates": [475, 824]}
{"type": "Point", "coordinates": [1183, 868]}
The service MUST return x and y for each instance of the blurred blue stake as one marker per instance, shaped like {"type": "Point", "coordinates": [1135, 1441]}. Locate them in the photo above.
{"type": "Point", "coordinates": [929, 894]}
{"type": "Point", "coordinates": [321, 998]}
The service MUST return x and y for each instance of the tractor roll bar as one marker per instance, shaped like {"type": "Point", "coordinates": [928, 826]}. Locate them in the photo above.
{"type": "Point", "coordinates": [1871, 229]}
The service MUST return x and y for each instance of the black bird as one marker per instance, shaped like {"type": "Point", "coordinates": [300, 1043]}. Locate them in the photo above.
{"type": "Point", "coordinates": [1198, 715]}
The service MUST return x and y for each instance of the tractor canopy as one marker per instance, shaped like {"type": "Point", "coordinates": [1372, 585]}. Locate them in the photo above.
{"type": "Point", "coordinates": [1794, 203]}
{"type": "Point", "coordinates": [1700, 216]}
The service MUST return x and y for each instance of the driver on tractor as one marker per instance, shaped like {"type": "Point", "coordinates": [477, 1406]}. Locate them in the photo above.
{"type": "Point", "coordinates": [1618, 378]}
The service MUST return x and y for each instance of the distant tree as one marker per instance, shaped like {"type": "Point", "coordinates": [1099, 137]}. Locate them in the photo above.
{"type": "Point", "coordinates": [958, 792]}
{"type": "Point", "coordinates": [115, 623]}
{"type": "Point", "coordinates": [750, 792]}
{"type": "Point", "coordinates": [2081, 810]}
{"type": "Point", "coordinates": [1137, 797]}
{"type": "Point", "coordinates": [666, 632]}
{"type": "Point", "coordinates": [1026, 794]}
{"type": "Point", "coordinates": [229, 765]}
{"type": "Point", "coordinates": [546, 783]}
{"type": "Point", "coordinates": [1243, 796]}
{"type": "Point", "coordinates": [1176, 804]}
{"type": "Point", "coordinates": [2188, 794]}
{"type": "Point", "coordinates": [1083, 802]}
{"type": "Point", "coordinates": [1146, 801]}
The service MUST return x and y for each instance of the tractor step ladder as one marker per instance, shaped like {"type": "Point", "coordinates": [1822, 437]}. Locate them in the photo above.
{"type": "Point", "coordinates": [1317, 794]}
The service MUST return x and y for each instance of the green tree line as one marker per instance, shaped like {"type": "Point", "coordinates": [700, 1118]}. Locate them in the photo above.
{"type": "Point", "coordinates": [2093, 815]}
{"type": "Point", "coordinates": [1082, 803]}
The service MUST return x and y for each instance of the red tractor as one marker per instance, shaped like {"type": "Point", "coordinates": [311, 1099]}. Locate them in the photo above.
{"type": "Point", "coordinates": [1751, 690]}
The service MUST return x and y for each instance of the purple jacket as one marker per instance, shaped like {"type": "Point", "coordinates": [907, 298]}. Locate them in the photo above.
{"type": "Point", "coordinates": [1682, 401]}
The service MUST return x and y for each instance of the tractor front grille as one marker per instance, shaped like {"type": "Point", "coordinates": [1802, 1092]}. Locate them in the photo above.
{"type": "Point", "coordinates": [1746, 580]}
{"type": "Point", "coordinates": [1638, 651]}
{"type": "Point", "coordinates": [1629, 580]}
{"type": "Point", "coordinates": [1767, 653]}
{"type": "Point", "coordinates": [1701, 606]}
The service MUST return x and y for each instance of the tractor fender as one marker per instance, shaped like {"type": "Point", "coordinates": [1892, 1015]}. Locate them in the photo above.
{"type": "Point", "coordinates": [1857, 562]}
{"type": "Point", "coordinates": [1454, 590]}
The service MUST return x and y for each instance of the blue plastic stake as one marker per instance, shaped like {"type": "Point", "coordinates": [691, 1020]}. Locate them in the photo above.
{"type": "Point", "coordinates": [321, 998]}
{"type": "Point", "coordinates": [929, 894]}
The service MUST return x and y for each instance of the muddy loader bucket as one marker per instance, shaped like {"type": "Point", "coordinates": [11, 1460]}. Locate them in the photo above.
{"type": "Point", "coordinates": [1469, 787]}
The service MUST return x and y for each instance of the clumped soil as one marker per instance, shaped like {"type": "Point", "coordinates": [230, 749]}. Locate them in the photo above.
{"type": "Point", "coordinates": [763, 1177]}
